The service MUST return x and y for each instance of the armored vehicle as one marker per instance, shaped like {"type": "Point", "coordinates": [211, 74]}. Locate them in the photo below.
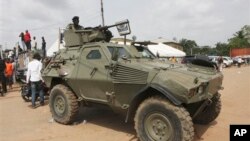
{"type": "Point", "coordinates": [163, 98]}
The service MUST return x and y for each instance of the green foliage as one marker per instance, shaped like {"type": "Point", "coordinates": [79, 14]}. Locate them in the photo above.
{"type": "Point", "coordinates": [222, 49]}
{"type": "Point", "coordinates": [205, 50]}
{"type": "Point", "coordinates": [188, 45]}
{"type": "Point", "coordinates": [241, 38]}
{"type": "Point", "coordinates": [191, 48]}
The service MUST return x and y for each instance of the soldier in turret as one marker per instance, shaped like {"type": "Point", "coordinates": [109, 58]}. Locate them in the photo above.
{"type": "Point", "coordinates": [76, 25]}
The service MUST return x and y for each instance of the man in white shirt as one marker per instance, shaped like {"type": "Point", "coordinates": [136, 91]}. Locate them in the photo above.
{"type": "Point", "coordinates": [35, 78]}
{"type": "Point", "coordinates": [34, 44]}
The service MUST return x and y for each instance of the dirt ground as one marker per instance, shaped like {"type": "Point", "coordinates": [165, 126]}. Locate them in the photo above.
{"type": "Point", "coordinates": [18, 122]}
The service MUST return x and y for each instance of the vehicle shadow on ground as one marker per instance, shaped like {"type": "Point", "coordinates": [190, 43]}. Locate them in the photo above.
{"type": "Point", "coordinates": [201, 129]}
{"type": "Point", "coordinates": [105, 117]}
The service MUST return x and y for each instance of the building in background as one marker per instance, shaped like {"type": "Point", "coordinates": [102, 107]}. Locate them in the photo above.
{"type": "Point", "coordinates": [171, 43]}
{"type": "Point", "coordinates": [121, 41]}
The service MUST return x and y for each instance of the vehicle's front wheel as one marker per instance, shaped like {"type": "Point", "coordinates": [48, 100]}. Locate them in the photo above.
{"type": "Point", "coordinates": [157, 119]}
{"type": "Point", "coordinates": [211, 112]}
{"type": "Point", "coordinates": [63, 104]}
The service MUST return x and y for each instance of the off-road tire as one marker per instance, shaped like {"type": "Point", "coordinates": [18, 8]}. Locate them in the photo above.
{"type": "Point", "coordinates": [211, 112]}
{"type": "Point", "coordinates": [157, 119]}
{"type": "Point", "coordinates": [63, 104]}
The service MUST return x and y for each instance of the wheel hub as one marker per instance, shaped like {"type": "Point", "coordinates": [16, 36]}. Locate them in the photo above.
{"type": "Point", "coordinates": [158, 127]}
{"type": "Point", "coordinates": [59, 105]}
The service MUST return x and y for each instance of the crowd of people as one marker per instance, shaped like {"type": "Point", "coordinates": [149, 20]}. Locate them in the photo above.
{"type": "Point", "coordinates": [29, 44]}
{"type": "Point", "coordinates": [21, 54]}
{"type": "Point", "coordinates": [28, 47]}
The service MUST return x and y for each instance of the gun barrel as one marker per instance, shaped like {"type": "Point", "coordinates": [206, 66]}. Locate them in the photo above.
{"type": "Point", "coordinates": [116, 24]}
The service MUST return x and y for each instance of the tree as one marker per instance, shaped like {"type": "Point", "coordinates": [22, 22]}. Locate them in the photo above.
{"type": "Point", "coordinates": [205, 50]}
{"type": "Point", "coordinates": [188, 46]}
{"type": "Point", "coordinates": [222, 49]}
{"type": "Point", "coordinates": [241, 38]}
{"type": "Point", "coordinates": [246, 32]}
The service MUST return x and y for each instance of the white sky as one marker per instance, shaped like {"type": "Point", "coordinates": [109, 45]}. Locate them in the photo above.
{"type": "Point", "coordinates": [205, 21]}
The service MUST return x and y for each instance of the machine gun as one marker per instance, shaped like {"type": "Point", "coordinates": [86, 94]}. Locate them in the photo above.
{"type": "Point", "coordinates": [74, 37]}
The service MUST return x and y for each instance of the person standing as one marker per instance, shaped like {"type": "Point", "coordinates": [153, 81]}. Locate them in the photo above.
{"type": "Point", "coordinates": [22, 40]}
{"type": "Point", "coordinates": [13, 61]}
{"type": "Point", "coordinates": [27, 40]}
{"type": "Point", "coordinates": [44, 47]}
{"type": "Point", "coordinates": [220, 63]}
{"type": "Point", "coordinates": [35, 78]}
{"type": "Point", "coordinates": [173, 59]}
{"type": "Point", "coordinates": [34, 44]}
{"type": "Point", "coordinates": [2, 75]}
{"type": "Point", "coordinates": [9, 72]}
{"type": "Point", "coordinates": [15, 52]}
{"type": "Point", "coordinates": [10, 54]}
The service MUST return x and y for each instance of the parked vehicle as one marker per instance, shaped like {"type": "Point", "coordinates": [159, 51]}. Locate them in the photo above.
{"type": "Point", "coordinates": [199, 60]}
{"type": "Point", "coordinates": [163, 98]}
{"type": "Point", "coordinates": [238, 60]}
{"type": "Point", "coordinates": [227, 61]}
{"type": "Point", "coordinates": [189, 59]}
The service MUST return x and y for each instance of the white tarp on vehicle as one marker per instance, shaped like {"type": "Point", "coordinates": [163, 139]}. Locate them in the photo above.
{"type": "Point", "coordinates": [165, 50]}
{"type": "Point", "coordinates": [54, 48]}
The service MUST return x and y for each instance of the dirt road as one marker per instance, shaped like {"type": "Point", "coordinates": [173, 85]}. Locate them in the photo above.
{"type": "Point", "coordinates": [19, 122]}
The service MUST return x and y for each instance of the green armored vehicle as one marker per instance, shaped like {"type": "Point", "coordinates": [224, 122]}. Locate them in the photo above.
{"type": "Point", "coordinates": [164, 99]}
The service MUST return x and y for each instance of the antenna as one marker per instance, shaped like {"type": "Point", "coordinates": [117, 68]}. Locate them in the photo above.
{"type": "Point", "coordinates": [102, 13]}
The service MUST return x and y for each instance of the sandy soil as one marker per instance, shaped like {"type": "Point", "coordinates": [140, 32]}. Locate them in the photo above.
{"type": "Point", "coordinates": [18, 122]}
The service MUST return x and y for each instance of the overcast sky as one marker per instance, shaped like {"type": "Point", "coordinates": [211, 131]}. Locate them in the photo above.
{"type": "Point", "coordinates": [205, 21]}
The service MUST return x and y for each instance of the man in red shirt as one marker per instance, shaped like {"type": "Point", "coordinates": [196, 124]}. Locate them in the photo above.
{"type": "Point", "coordinates": [27, 40]}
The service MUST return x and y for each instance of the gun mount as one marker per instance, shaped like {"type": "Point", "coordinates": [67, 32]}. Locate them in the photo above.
{"type": "Point", "coordinates": [74, 37]}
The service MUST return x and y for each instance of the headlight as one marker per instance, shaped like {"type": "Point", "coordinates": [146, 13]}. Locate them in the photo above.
{"type": "Point", "coordinates": [202, 88]}
{"type": "Point", "coordinates": [198, 90]}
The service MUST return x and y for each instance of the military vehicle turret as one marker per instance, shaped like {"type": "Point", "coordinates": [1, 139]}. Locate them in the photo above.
{"type": "Point", "coordinates": [163, 98]}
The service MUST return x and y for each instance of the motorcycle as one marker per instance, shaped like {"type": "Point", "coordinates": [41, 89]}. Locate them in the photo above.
{"type": "Point", "coordinates": [26, 90]}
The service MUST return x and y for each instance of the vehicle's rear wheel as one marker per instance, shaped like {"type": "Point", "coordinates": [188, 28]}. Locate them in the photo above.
{"type": "Point", "coordinates": [157, 119]}
{"type": "Point", "coordinates": [211, 112]}
{"type": "Point", "coordinates": [63, 104]}
{"type": "Point", "coordinates": [26, 94]}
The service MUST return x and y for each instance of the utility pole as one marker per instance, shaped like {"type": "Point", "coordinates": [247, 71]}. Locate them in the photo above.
{"type": "Point", "coordinates": [102, 13]}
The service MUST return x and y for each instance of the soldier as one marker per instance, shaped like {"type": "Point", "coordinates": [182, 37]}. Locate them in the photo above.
{"type": "Point", "coordinates": [76, 25]}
